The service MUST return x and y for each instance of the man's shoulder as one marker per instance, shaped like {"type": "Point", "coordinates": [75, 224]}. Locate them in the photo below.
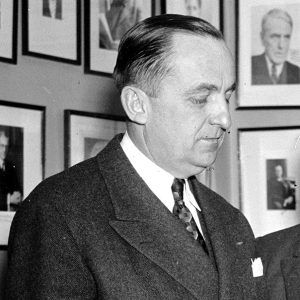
{"type": "Point", "coordinates": [257, 58]}
{"type": "Point", "coordinates": [290, 233]}
{"type": "Point", "coordinates": [292, 67]}
{"type": "Point", "coordinates": [71, 185]}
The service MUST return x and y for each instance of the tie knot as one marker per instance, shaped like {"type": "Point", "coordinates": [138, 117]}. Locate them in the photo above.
{"type": "Point", "coordinates": [177, 189]}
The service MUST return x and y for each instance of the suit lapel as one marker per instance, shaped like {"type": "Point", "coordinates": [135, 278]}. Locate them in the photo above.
{"type": "Point", "coordinates": [232, 244]}
{"type": "Point", "coordinates": [147, 225]}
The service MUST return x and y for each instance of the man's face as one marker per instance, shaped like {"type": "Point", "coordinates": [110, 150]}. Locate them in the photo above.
{"type": "Point", "coordinates": [278, 171]}
{"type": "Point", "coordinates": [188, 119]}
{"type": "Point", "coordinates": [3, 146]}
{"type": "Point", "coordinates": [193, 8]}
{"type": "Point", "coordinates": [276, 38]}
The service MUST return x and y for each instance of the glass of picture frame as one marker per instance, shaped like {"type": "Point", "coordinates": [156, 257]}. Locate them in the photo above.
{"type": "Point", "coordinates": [269, 169]}
{"type": "Point", "coordinates": [87, 133]}
{"type": "Point", "coordinates": [105, 23]}
{"type": "Point", "coordinates": [22, 159]}
{"type": "Point", "coordinates": [268, 69]}
{"type": "Point", "coordinates": [51, 30]}
{"type": "Point", "coordinates": [209, 10]}
{"type": "Point", "coordinates": [8, 30]}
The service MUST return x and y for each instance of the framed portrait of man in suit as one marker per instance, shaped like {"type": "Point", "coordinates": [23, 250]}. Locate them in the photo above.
{"type": "Point", "coordinates": [268, 53]}
{"type": "Point", "coordinates": [22, 132]}
{"type": "Point", "coordinates": [269, 174]}
{"type": "Point", "coordinates": [209, 10]}
{"type": "Point", "coordinates": [87, 133]}
{"type": "Point", "coordinates": [106, 21]}
{"type": "Point", "coordinates": [51, 30]}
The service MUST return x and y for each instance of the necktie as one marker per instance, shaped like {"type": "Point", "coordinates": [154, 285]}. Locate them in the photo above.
{"type": "Point", "coordinates": [183, 213]}
{"type": "Point", "coordinates": [274, 74]}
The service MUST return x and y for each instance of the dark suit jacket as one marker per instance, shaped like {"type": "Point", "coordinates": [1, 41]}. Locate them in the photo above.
{"type": "Point", "coordinates": [290, 73]}
{"type": "Point", "coordinates": [280, 252]}
{"type": "Point", "coordinates": [96, 231]}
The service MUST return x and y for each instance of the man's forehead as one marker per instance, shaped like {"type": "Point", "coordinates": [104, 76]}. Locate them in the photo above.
{"type": "Point", "coordinates": [273, 21]}
{"type": "Point", "coordinates": [195, 51]}
{"type": "Point", "coordinates": [184, 43]}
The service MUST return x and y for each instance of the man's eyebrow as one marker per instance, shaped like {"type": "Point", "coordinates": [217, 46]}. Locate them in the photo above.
{"type": "Point", "coordinates": [206, 87]}
{"type": "Point", "coordinates": [202, 87]}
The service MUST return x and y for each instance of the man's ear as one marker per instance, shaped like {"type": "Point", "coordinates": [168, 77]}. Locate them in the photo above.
{"type": "Point", "coordinates": [135, 104]}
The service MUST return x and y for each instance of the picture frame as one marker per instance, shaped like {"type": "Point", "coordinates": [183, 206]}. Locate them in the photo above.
{"type": "Point", "coordinates": [269, 173]}
{"type": "Point", "coordinates": [8, 31]}
{"type": "Point", "coordinates": [51, 30]}
{"type": "Point", "coordinates": [102, 33]}
{"type": "Point", "coordinates": [209, 10]}
{"type": "Point", "coordinates": [268, 70]}
{"type": "Point", "coordinates": [22, 157]}
{"type": "Point", "coordinates": [87, 133]}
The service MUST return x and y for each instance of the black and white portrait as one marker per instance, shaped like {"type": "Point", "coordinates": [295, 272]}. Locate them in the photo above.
{"type": "Point", "coordinates": [52, 9]}
{"type": "Point", "coordinates": [280, 188]}
{"type": "Point", "coordinates": [115, 18]}
{"type": "Point", "coordinates": [275, 59]}
{"type": "Point", "coordinates": [11, 167]}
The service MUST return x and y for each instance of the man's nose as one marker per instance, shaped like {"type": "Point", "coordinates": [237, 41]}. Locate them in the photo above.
{"type": "Point", "coordinates": [281, 43]}
{"type": "Point", "coordinates": [220, 115]}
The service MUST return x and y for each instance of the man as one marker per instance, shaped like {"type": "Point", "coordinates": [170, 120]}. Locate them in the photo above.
{"type": "Point", "coordinates": [52, 9]}
{"type": "Point", "coordinates": [281, 192]}
{"type": "Point", "coordinates": [271, 67]}
{"type": "Point", "coordinates": [115, 21]}
{"type": "Point", "coordinates": [105, 228]}
{"type": "Point", "coordinates": [280, 253]}
{"type": "Point", "coordinates": [193, 7]}
{"type": "Point", "coordinates": [10, 192]}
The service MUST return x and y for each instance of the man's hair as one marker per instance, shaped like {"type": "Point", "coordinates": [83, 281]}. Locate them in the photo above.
{"type": "Point", "coordinates": [277, 14]}
{"type": "Point", "coordinates": [145, 51]}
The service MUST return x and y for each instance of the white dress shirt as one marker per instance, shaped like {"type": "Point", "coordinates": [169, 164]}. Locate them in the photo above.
{"type": "Point", "coordinates": [158, 180]}
{"type": "Point", "coordinates": [279, 67]}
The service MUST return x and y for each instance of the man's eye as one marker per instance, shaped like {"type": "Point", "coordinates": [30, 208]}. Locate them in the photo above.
{"type": "Point", "coordinates": [199, 100]}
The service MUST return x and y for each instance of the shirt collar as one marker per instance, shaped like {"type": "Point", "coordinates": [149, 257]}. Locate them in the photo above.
{"type": "Point", "coordinates": [279, 67]}
{"type": "Point", "coordinates": [157, 179]}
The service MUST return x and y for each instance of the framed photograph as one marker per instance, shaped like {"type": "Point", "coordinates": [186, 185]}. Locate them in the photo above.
{"type": "Point", "coordinates": [269, 168]}
{"type": "Point", "coordinates": [22, 131]}
{"type": "Point", "coordinates": [268, 53]}
{"type": "Point", "coordinates": [51, 29]}
{"type": "Point", "coordinates": [87, 133]}
{"type": "Point", "coordinates": [209, 10]}
{"type": "Point", "coordinates": [8, 30]}
{"type": "Point", "coordinates": [106, 21]}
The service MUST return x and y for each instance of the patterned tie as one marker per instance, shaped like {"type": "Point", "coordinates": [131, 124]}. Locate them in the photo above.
{"type": "Point", "coordinates": [183, 213]}
{"type": "Point", "coordinates": [274, 77]}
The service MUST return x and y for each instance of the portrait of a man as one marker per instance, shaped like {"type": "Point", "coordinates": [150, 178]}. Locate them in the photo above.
{"type": "Point", "coordinates": [193, 7]}
{"type": "Point", "coordinates": [272, 66]}
{"type": "Point", "coordinates": [280, 189]}
{"type": "Point", "coordinates": [115, 18]}
{"type": "Point", "coordinates": [10, 177]}
{"type": "Point", "coordinates": [52, 9]}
